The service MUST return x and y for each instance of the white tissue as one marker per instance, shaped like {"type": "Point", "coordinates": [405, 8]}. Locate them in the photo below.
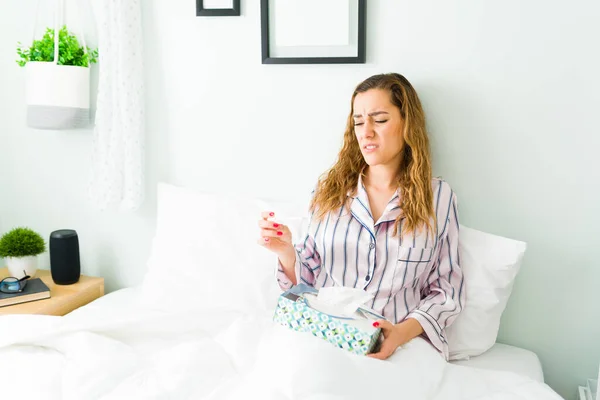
{"type": "Point", "coordinates": [339, 301]}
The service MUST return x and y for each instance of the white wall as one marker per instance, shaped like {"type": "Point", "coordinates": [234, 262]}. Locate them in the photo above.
{"type": "Point", "coordinates": [511, 90]}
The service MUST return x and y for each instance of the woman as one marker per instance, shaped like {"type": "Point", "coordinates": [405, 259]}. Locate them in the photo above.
{"type": "Point", "coordinates": [380, 222]}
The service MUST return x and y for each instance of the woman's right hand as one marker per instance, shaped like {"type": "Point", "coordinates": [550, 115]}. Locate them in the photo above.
{"type": "Point", "coordinates": [275, 237]}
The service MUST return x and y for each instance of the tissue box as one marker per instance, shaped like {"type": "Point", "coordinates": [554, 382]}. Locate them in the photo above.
{"type": "Point", "coordinates": [356, 335]}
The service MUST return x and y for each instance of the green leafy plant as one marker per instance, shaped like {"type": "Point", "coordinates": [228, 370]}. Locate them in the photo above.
{"type": "Point", "coordinates": [70, 52]}
{"type": "Point", "coordinates": [21, 242]}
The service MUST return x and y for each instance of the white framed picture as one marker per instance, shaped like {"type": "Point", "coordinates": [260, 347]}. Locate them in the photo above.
{"type": "Point", "coordinates": [313, 31]}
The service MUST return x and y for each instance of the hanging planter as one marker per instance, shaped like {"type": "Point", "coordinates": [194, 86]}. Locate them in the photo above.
{"type": "Point", "coordinates": [58, 80]}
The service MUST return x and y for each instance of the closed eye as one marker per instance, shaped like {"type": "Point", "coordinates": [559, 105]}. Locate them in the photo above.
{"type": "Point", "coordinates": [378, 122]}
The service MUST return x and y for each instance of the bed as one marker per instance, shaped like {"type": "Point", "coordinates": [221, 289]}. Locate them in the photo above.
{"type": "Point", "coordinates": [501, 357]}
{"type": "Point", "coordinates": [119, 347]}
{"type": "Point", "coordinates": [200, 326]}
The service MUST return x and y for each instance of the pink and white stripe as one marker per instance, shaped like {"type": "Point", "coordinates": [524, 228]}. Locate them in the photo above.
{"type": "Point", "coordinates": [414, 276]}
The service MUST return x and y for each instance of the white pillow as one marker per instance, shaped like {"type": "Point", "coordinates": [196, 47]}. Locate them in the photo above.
{"type": "Point", "coordinates": [205, 251]}
{"type": "Point", "coordinates": [490, 264]}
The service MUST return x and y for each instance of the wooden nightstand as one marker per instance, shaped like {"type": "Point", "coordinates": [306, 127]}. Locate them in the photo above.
{"type": "Point", "coordinates": [63, 298]}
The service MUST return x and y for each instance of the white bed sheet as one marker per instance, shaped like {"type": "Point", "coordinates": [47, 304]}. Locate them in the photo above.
{"type": "Point", "coordinates": [116, 299]}
{"type": "Point", "coordinates": [501, 357]}
{"type": "Point", "coordinates": [118, 348]}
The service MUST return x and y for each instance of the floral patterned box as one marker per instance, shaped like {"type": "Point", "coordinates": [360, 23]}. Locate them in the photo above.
{"type": "Point", "coordinates": [356, 335]}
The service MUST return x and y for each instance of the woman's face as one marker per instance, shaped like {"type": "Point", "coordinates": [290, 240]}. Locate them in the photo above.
{"type": "Point", "coordinates": [378, 127]}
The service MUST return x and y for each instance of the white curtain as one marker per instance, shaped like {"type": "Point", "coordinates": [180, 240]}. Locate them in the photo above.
{"type": "Point", "coordinates": [117, 179]}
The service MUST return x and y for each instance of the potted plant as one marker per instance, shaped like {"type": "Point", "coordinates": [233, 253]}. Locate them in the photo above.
{"type": "Point", "coordinates": [20, 247]}
{"type": "Point", "coordinates": [58, 80]}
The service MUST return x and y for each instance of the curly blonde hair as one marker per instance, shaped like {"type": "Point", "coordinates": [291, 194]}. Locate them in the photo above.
{"type": "Point", "coordinates": [414, 172]}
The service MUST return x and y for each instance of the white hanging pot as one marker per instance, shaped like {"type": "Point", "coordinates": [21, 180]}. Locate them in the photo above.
{"type": "Point", "coordinates": [57, 96]}
{"type": "Point", "coordinates": [18, 267]}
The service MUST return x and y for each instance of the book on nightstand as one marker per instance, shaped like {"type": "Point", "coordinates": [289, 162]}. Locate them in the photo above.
{"type": "Point", "coordinates": [34, 290]}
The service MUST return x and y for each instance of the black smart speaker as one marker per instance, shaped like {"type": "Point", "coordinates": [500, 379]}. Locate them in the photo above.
{"type": "Point", "coordinates": [64, 257]}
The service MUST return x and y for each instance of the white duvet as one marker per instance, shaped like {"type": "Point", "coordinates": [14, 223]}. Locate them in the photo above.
{"type": "Point", "coordinates": [103, 351]}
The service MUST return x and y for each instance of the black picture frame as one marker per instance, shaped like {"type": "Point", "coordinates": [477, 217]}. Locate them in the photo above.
{"type": "Point", "coordinates": [218, 12]}
{"type": "Point", "coordinates": [360, 57]}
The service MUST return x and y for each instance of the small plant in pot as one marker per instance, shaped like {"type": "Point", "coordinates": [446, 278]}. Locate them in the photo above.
{"type": "Point", "coordinates": [20, 247]}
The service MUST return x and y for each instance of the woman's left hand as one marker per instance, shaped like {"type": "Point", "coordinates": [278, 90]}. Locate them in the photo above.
{"type": "Point", "coordinates": [395, 336]}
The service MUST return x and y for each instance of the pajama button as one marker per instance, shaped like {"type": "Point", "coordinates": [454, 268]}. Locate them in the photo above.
{"type": "Point", "coordinates": [372, 246]}
{"type": "Point", "coordinates": [367, 278]}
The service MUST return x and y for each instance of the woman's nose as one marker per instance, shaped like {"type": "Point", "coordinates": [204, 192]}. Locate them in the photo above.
{"type": "Point", "coordinates": [368, 131]}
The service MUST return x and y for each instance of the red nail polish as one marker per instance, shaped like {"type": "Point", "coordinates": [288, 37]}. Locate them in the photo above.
{"type": "Point", "coordinates": [271, 214]}
{"type": "Point", "coordinates": [279, 233]}
{"type": "Point", "coordinates": [275, 225]}
{"type": "Point", "coordinates": [376, 324]}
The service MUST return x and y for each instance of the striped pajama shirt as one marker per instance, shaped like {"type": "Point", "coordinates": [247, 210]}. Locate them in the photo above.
{"type": "Point", "coordinates": [413, 276]}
